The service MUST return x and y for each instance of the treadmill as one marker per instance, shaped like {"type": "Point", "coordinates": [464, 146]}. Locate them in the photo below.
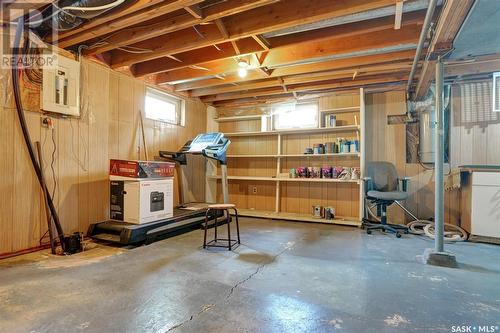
{"type": "Point", "coordinates": [186, 216]}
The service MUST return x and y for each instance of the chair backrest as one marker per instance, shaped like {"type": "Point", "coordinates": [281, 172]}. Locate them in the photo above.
{"type": "Point", "coordinates": [384, 176]}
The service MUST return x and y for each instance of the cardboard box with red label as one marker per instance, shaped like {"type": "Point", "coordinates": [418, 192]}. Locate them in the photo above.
{"type": "Point", "coordinates": [141, 169]}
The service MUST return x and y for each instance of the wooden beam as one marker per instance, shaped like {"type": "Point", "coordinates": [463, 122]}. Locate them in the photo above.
{"type": "Point", "coordinates": [102, 26]}
{"type": "Point", "coordinates": [223, 31]}
{"type": "Point", "coordinates": [195, 11]}
{"type": "Point", "coordinates": [398, 17]}
{"type": "Point", "coordinates": [136, 7]}
{"type": "Point", "coordinates": [235, 47]}
{"type": "Point", "coordinates": [450, 20]}
{"type": "Point", "coordinates": [302, 78]}
{"type": "Point", "coordinates": [315, 86]}
{"type": "Point", "coordinates": [354, 63]}
{"type": "Point", "coordinates": [163, 25]}
{"type": "Point", "coordinates": [225, 51]}
{"type": "Point", "coordinates": [262, 41]}
{"type": "Point", "coordinates": [246, 47]}
{"type": "Point", "coordinates": [477, 65]}
{"type": "Point", "coordinates": [280, 15]}
{"type": "Point", "coordinates": [345, 30]}
{"type": "Point", "coordinates": [375, 43]}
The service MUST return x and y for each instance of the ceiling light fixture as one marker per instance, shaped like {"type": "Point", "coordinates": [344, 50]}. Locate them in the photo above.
{"type": "Point", "coordinates": [242, 70]}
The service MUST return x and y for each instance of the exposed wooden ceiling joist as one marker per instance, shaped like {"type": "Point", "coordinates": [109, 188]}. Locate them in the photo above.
{"type": "Point", "coordinates": [302, 78]}
{"type": "Point", "coordinates": [477, 65]}
{"type": "Point", "coordinates": [315, 86]}
{"type": "Point", "coordinates": [247, 46]}
{"type": "Point", "coordinates": [135, 14]}
{"type": "Point", "coordinates": [254, 22]}
{"type": "Point", "coordinates": [195, 11]}
{"type": "Point", "coordinates": [163, 25]}
{"type": "Point", "coordinates": [355, 63]}
{"type": "Point", "coordinates": [374, 43]}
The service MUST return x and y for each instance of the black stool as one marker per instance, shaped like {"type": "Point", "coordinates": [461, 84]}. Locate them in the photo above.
{"type": "Point", "coordinates": [230, 242]}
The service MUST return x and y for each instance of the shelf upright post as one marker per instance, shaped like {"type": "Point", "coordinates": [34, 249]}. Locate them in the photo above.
{"type": "Point", "coordinates": [362, 147]}
{"type": "Point", "coordinates": [278, 170]}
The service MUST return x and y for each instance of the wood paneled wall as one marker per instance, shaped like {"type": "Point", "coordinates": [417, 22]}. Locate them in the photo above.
{"type": "Point", "coordinates": [108, 128]}
{"type": "Point", "coordinates": [474, 139]}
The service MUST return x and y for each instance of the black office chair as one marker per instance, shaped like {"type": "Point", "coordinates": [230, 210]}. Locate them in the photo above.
{"type": "Point", "coordinates": [382, 189]}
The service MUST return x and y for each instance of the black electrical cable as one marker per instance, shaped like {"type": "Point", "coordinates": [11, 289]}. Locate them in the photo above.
{"type": "Point", "coordinates": [24, 127]}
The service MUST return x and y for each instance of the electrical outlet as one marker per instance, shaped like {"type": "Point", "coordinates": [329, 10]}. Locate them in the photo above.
{"type": "Point", "coordinates": [47, 122]}
{"type": "Point", "coordinates": [254, 190]}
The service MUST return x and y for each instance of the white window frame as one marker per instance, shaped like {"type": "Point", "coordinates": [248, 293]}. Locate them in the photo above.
{"type": "Point", "coordinates": [277, 112]}
{"type": "Point", "coordinates": [160, 95]}
{"type": "Point", "coordinates": [496, 108]}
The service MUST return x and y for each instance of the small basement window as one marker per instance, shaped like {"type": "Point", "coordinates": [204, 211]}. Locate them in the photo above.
{"type": "Point", "coordinates": [296, 116]}
{"type": "Point", "coordinates": [163, 107]}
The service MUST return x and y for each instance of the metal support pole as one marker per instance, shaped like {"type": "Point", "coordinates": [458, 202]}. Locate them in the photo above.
{"type": "Point", "coordinates": [437, 256]}
{"type": "Point", "coordinates": [439, 160]}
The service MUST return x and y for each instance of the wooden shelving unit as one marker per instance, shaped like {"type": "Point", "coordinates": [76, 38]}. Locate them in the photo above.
{"type": "Point", "coordinates": [282, 179]}
{"type": "Point", "coordinates": [314, 130]}
{"type": "Point", "coordinates": [295, 155]}
{"type": "Point", "coordinates": [258, 159]}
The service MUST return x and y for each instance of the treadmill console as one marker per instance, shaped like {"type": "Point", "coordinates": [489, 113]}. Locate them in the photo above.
{"type": "Point", "coordinates": [203, 141]}
{"type": "Point", "coordinates": [212, 145]}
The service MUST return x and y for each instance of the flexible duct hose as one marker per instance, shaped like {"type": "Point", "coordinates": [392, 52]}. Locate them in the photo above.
{"type": "Point", "coordinates": [425, 227]}
{"type": "Point", "coordinates": [69, 14]}
{"type": "Point", "coordinates": [24, 128]}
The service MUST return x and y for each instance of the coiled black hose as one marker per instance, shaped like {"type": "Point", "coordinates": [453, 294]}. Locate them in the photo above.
{"type": "Point", "coordinates": [24, 127]}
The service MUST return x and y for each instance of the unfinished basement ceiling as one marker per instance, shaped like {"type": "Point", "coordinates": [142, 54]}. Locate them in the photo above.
{"type": "Point", "coordinates": [193, 47]}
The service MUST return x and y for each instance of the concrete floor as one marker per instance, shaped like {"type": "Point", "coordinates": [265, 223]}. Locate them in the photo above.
{"type": "Point", "coordinates": [286, 277]}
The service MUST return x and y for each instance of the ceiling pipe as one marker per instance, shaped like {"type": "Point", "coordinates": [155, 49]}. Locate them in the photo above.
{"type": "Point", "coordinates": [420, 46]}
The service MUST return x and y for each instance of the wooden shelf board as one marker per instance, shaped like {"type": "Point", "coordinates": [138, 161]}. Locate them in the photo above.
{"type": "Point", "coordinates": [274, 179]}
{"type": "Point", "coordinates": [237, 118]}
{"type": "Point", "coordinates": [341, 110]}
{"type": "Point", "coordinates": [351, 221]}
{"type": "Point", "coordinates": [252, 155]}
{"type": "Point", "coordinates": [321, 155]}
{"type": "Point", "coordinates": [346, 128]}
{"type": "Point", "coordinates": [296, 155]}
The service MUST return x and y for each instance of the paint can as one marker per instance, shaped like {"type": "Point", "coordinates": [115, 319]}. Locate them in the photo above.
{"type": "Point", "coordinates": [301, 172]}
{"type": "Point", "coordinates": [329, 213]}
{"type": "Point", "coordinates": [309, 172]}
{"type": "Point", "coordinates": [355, 173]}
{"type": "Point", "coordinates": [326, 172]}
{"type": "Point", "coordinates": [337, 171]}
{"type": "Point", "coordinates": [317, 211]}
{"type": "Point", "coordinates": [316, 172]}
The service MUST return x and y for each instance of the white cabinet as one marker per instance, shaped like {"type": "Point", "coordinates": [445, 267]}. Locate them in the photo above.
{"type": "Point", "coordinates": [481, 203]}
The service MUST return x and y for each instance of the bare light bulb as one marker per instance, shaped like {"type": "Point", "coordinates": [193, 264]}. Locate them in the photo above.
{"type": "Point", "coordinates": [242, 72]}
